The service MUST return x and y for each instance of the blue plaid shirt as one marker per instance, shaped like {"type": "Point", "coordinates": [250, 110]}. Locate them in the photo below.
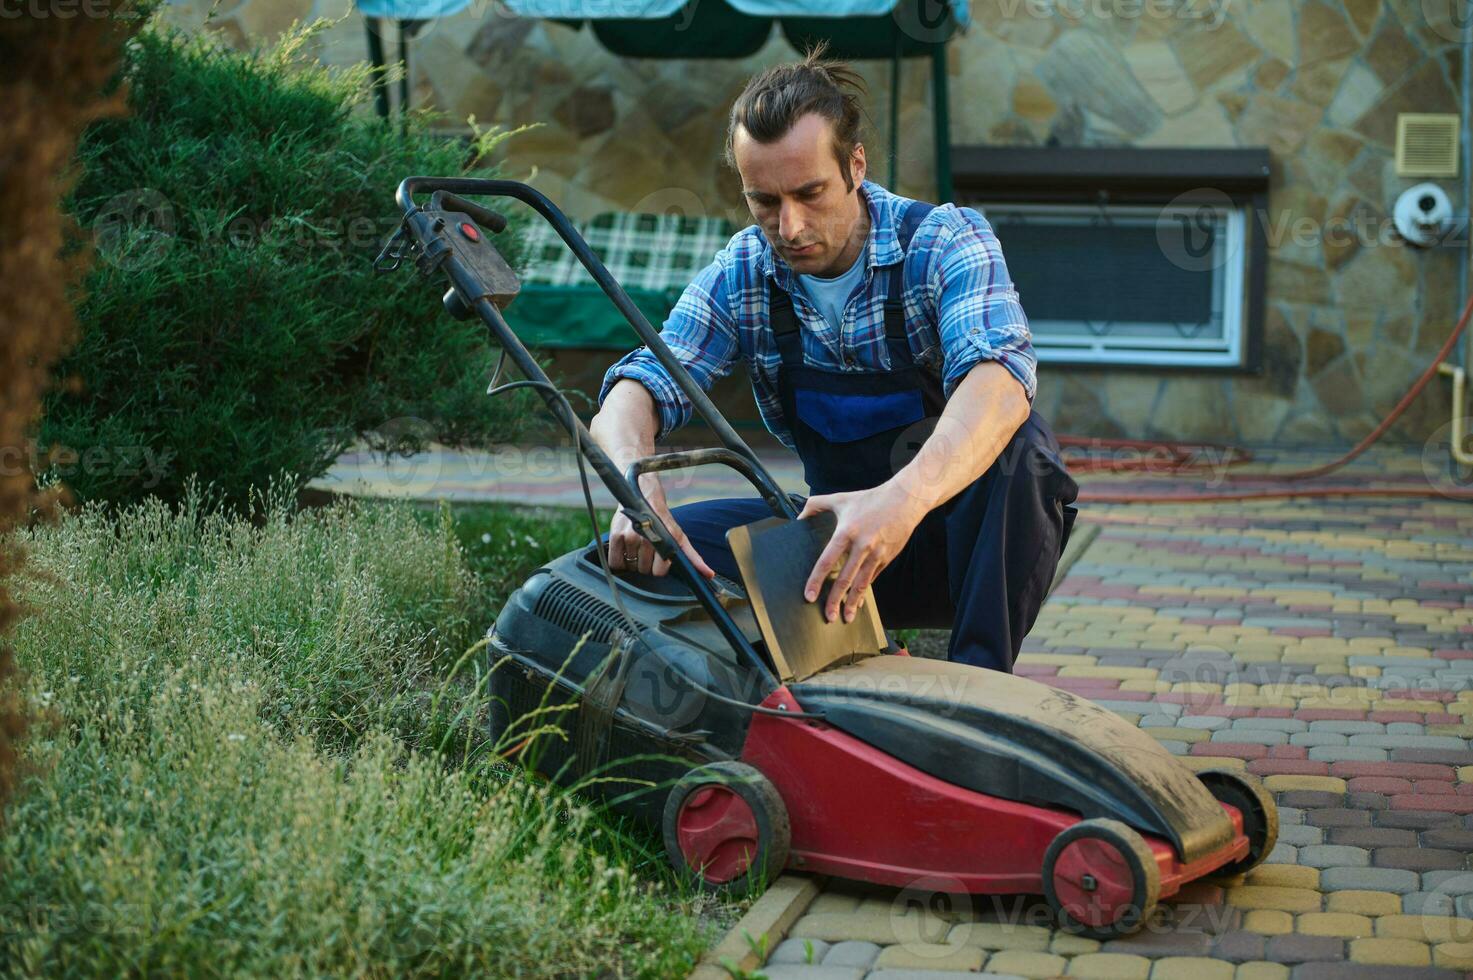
{"type": "Point", "coordinates": [960, 309]}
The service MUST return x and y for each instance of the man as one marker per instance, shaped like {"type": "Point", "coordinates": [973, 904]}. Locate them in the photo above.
{"type": "Point", "coordinates": [866, 322]}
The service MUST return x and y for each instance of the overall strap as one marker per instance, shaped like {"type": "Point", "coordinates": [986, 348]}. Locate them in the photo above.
{"type": "Point", "coordinates": [784, 325]}
{"type": "Point", "coordinates": [895, 333]}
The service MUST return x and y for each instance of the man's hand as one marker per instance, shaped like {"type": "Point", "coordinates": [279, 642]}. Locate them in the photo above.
{"type": "Point", "coordinates": [981, 416]}
{"type": "Point", "coordinates": [625, 427]}
{"type": "Point", "coordinates": [873, 527]}
{"type": "Point", "coordinates": [625, 542]}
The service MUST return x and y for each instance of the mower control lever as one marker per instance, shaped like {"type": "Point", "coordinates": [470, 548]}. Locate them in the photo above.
{"type": "Point", "coordinates": [772, 495]}
{"type": "Point", "coordinates": [485, 217]}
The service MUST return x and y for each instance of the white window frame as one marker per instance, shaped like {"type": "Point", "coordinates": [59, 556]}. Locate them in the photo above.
{"type": "Point", "coordinates": [1229, 267]}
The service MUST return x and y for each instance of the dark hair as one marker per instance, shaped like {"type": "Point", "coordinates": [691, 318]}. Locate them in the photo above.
{"type": "Point", "coordinates": [778, 97]}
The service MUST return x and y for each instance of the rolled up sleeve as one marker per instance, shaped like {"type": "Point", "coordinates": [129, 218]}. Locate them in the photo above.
{"type": "Point", "coordinates": [979, 312]}
{"type": "Point", "coordinates": [701, 332]}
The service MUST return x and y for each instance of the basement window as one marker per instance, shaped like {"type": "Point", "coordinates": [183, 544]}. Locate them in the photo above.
{"type": "Point", "coordinates": [1122, 258]}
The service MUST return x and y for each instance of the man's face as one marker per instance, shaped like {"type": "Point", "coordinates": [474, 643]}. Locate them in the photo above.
{"type": "Point", "coordinates": [797, 196]}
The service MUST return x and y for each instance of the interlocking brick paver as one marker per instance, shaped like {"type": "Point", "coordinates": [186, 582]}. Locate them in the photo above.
{"type": "Point", "coordinates": [1284, 876]}
{"type": "Point", "coordinates": [1363, 902]}
{"type": "Point", "coordinates": [1026, 964]}
{"type": "Point", "coordinates": [1453, 956]}
{"type": "Point", "coordinates": [1192, 968]}
{"type": "Point", "coordinates": [1334, 856]}
{"type": "Point", "coordinates": [1301, 834]}
{"type": "Point", "coordinates": [1426, 928]}
{"type": "Point", "coordinates": [1297, 948]}
{"type": "Point", "coordinates": [1239, 946]}
{"type": "Point", "coordinates": [1419, 858]}
{"type": "Point", "coordinates": [1271, 922]}
{"type": "Point", "coordinates": [1337, 816]}
{"type": "Point", "coordinates": [1068, 944]}
{"type": "Point", "coordinates": [1261, 971]}
{"type": "Point", "coordinates": [795, 971]}
{"type": "Point", "coordinates": [1391, 952]}
{"type": "Point", "coordinates": [1369, 879]}
{"type": "Point", "coordinates": [1275, 897]}
{"type": "Point", "coordinates": [1110, 966]}
{"type": "Point", "coordinates": [1000, 935]}
{"type": "Point", "coordinates": [1154, 942]}
{"type": "Point", "coordinates": [799, 951]}
{"type": "Point", "coordinates": [929, 956]}
{"type": "Point", "coordinates": [835, 927]}
{"type": "Point", "coordinates": [1372, 837]}
{"type": "Point", "coordinates": [851, 954]}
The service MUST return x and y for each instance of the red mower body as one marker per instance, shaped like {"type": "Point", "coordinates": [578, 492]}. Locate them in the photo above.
{"type": "Point", "coordinates": [856, 812]}
{"type": "Point", "coordinates": [992, 784]}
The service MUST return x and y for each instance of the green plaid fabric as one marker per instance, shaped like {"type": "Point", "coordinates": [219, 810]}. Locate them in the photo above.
{"type": "Point", "coordinates": [642, 251]}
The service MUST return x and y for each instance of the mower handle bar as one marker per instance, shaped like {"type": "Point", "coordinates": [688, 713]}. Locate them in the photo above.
{"type": "Point", "coordinates": [624, 489]}
{"type": "Point", "coordinates": [772, 495]}
{"type": "Point", "coordinates": [601, 275]}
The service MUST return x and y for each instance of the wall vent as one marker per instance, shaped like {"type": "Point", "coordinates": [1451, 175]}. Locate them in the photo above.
{"type": "Point", "coordinates": [1426, 144]}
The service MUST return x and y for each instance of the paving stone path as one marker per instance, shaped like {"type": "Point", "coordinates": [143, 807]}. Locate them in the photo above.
{"type": "Point", "coordinates": [1324, 645]}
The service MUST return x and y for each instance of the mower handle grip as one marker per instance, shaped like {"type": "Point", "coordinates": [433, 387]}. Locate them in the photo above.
{"type": "Point", "coordinates": [485, 217]}
{"type": "Point", "coordinates": [772, 495]}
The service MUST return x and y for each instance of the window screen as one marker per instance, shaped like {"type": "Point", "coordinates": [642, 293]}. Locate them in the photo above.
{"type": "Point", "coordinates": [1127, 283]}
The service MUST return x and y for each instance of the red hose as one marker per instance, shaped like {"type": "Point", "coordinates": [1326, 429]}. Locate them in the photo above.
{"type": "Point", "coordinates": [1183, 457]}
{"type": "Point", "coordinates": [1207, 496]}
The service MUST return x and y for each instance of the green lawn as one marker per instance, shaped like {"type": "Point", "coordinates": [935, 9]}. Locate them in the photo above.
{"type": "Point", "coordinates": [263, 754]}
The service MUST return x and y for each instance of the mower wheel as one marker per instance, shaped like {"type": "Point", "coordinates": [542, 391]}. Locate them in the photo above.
{"type": "Point", "coordinates": [726, 827]}
{"type": "Point", "coordinates": [1260, 815]}
{"type": "Point", "coordinates": [1101, 879]}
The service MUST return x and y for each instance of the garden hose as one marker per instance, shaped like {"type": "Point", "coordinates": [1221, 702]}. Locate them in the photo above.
{"type": "Point", "coordinates": [1184, 457]}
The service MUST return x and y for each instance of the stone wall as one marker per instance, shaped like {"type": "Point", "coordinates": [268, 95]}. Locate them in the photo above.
{"type": "Point", "coordinates": [1352, 317]}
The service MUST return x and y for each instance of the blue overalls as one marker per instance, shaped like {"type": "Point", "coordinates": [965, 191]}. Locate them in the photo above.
{"type": "Point", "coordinates": [981, 563]}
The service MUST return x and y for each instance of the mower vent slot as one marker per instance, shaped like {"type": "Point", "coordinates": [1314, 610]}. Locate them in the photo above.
{"type": "Point", "coordinates": [574, 611]}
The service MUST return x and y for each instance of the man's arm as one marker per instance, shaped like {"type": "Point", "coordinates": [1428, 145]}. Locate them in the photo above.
{"type": "Point", "coordinates": [981, 417]}
{"type": "Point", "coordinates": [625, 428]}
{"type": "Point", "coordinates": [640, 403]}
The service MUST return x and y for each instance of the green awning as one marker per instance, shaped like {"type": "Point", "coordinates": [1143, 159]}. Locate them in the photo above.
{"type": "Point", "coordinates": [581, 316]}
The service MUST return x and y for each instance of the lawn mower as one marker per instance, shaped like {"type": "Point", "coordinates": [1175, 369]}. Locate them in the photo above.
{"type": "Point", "coordinates": [758, 737]}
